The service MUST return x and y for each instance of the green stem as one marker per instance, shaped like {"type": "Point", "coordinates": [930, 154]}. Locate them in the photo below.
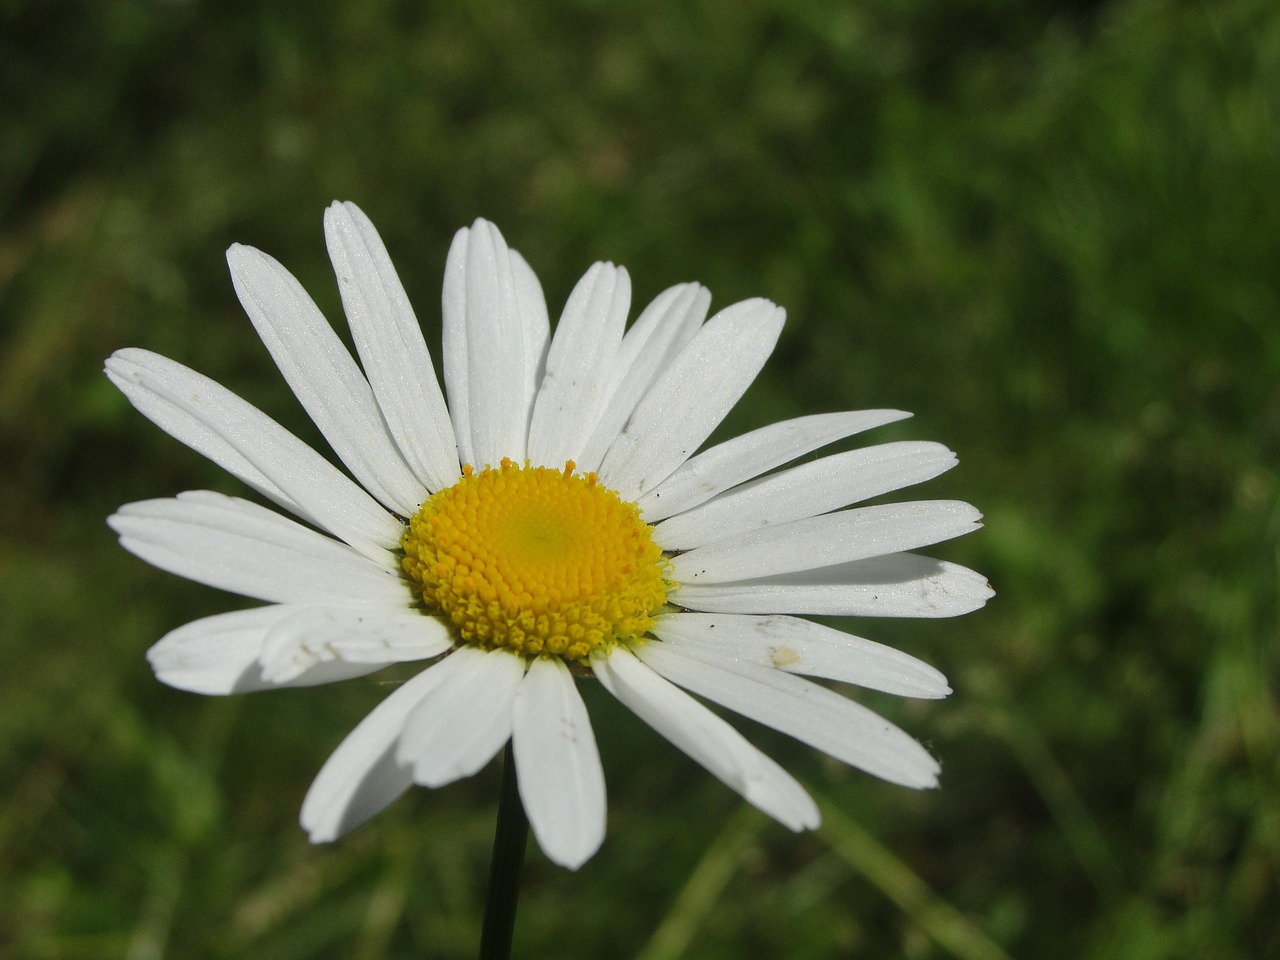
{"type": "Point", "coordinates": [504, 870]}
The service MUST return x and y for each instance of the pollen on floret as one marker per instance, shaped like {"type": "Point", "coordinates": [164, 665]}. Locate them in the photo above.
{"type": "Point", "coordinates": [536, 560]}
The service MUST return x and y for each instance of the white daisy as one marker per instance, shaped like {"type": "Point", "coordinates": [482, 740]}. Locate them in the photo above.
{"type": "Point", "coordinates": [550, 522]}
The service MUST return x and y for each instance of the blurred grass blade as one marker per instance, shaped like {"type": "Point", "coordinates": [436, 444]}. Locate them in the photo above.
{"type": "Point", "coordinates": [705, 885]}
{"type": "Point", "coordinates": [943, 923]}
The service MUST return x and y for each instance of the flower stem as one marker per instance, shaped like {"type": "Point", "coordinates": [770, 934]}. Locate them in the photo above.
{"type": "Point", "coordinates": [504, 870]}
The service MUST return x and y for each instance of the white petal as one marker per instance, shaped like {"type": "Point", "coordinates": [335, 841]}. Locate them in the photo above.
{"type": "Point", "coordinates": [225, 653]}
{"type": "Point", "coordinates": [485, 366]}
{"type": "Point", "coordinates": [389, 341]}
{"type": "Point", "coordinates": [706, 738]}
{"type": "Point", "coordinates": [532, 308]}
{"type": "Point", "coordinates": [323, 376]}
{"type": "Point", "coordinates": [823, 541]}
{"type": "Point", "coordinates": [806, 491]}
{"type": "Point", "coordinates": [243, 440]}
{"type": "Point", "coordinates": [752, 454]}
{"type": "Point", "coordinates": [354, 640]}
{"type": "Point", "coordinates": [361, 777]}
{"type": "Point", "coordinates": [561, 782]}
{"type": "Point", "coordinates": [454, 341]}
{"type": "Point", "coordinates": [799, 708]}
{"type": "Point", "coordinates": [218, 654]}
{"type": "Point", "coordinates": [579, 362]}
{"type": "Point", "coordinates": [200, 413]}
{"type": "Point", "coordinates": [692, 396]}
{"type": "Point", "coordinates": [898, 585]}
{"type": "Point", "coordinates": [661, 330]}
{"type": "Point", "coordinates": [804, 647]}
{"type": "Point", "coordinates": [465, 719]}
{"type": "Point", "coordinates": [239, 546]}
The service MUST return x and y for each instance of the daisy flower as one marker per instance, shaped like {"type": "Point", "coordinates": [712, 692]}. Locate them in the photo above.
{"type": "Point", "coordinates": [552, 521]}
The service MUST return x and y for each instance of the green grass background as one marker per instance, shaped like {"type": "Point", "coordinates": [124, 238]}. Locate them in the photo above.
{"type": "Point", "coordinates": [1050, 229]}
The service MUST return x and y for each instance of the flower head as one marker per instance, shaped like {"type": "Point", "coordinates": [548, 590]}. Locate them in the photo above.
{"type": "Point", "coordinates": [551, 521]}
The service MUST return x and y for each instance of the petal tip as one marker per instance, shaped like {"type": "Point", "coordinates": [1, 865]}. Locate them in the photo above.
{"type": "Point", "coordinates": [571, 857]}
{"type": "Point", "coordinates": [317, 833]}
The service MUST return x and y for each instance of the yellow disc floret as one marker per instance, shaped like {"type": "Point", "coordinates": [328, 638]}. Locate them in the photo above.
{"type": "Point", "coordinates": [536, 560]}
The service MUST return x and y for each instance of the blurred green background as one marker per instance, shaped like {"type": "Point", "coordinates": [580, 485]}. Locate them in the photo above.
{"type": "Point", "coordinates": [1052, 229]}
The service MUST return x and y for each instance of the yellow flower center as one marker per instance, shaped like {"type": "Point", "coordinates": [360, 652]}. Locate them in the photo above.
{"type": "Point", "coordinates": [536, 560]}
